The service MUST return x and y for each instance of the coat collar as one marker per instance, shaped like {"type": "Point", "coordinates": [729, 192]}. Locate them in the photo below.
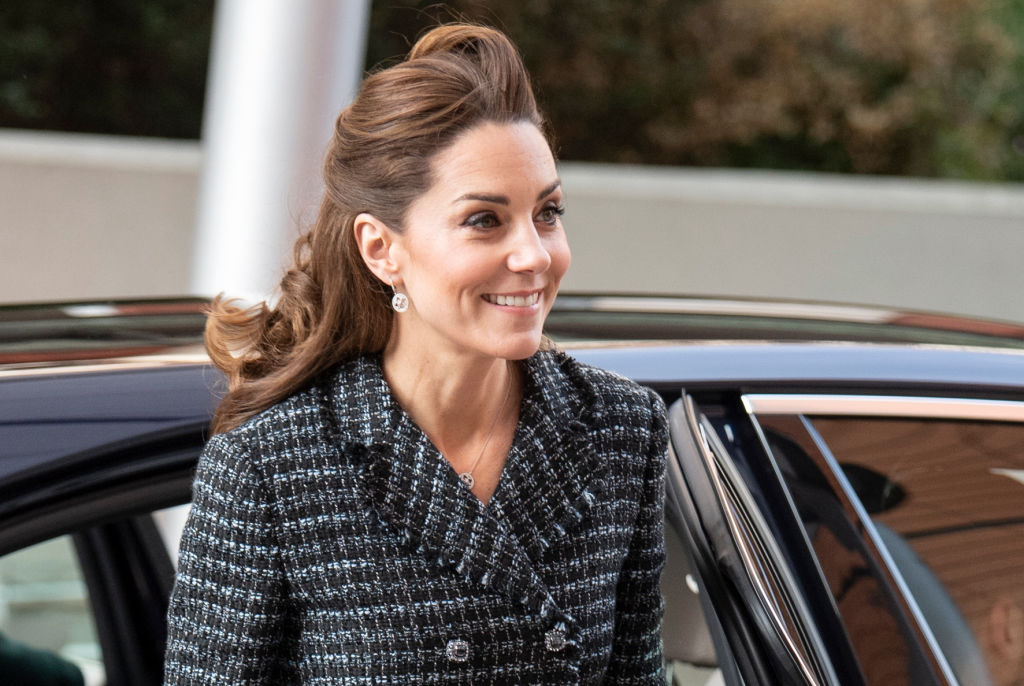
{"type": "Point", "coordinates": [550, 479]}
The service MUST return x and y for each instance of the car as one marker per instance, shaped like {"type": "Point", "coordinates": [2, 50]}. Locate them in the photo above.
{"type": "Point", "coordinates": [845, 489]}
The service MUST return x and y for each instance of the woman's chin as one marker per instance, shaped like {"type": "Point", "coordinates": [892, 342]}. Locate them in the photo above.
{"type": "Point", "coordinates": [520, 347]}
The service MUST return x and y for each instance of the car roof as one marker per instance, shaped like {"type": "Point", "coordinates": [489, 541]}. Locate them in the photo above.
{"type": "Point", "coordinates": [652, 339]}
{"type": "Point", "coordinates": [96, 374]}
{"type": "Point", "coordinates": [46, 335]}
{"type": "Point", "coordinates": [799, 366]}
{"type": "Point", "coordinates": [631, 317]}
{"type": "Point", "coordinates": [37, 336]}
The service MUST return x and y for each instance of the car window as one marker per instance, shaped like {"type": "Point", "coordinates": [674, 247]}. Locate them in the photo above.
{"type": "Point", "coordinates": [690, 658]}
{"type": "Point", "coordinates": [52, 633]}
{"type": "Point", "coordinates": [870, 613]}
{"type": "Point", "coordinates": [170, 522]}
{"type": "Point", "coordinates": [947, 498]}
{"type": "Point", "coordinates": [46, 623]}
{"type": "Point", "coordinates": [737, 533]}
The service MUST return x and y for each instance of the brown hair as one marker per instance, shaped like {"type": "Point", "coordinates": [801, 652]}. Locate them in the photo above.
{"type": "Point", "coordinates": [330, 306]}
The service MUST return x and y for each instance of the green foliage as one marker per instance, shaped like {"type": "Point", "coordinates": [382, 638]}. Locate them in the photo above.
{"type": "Point", "coordinates": [602, 68]}
{"type": "Point", "coordinates": [904, 87]}
{"type": "Point", "coordinates": [1009, 103]}
{"type": "Point", "coordinates": [105, 66]}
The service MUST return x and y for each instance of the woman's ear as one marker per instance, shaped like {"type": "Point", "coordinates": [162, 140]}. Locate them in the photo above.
{"type": "Point", "coordinates": [378, 246]}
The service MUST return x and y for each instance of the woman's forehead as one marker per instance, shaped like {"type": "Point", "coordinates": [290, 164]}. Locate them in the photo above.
{"type": "Point", "coordinates": [491, 157]}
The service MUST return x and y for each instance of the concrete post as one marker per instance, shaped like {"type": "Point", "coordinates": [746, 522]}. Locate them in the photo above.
{"type": "Point", "coordinates": [280, 71]}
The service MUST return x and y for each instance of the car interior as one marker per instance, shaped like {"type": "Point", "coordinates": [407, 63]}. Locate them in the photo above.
{"type": "Point", "coordinates": [690, 658]}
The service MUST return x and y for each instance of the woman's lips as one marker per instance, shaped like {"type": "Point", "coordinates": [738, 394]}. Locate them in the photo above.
{"type": "Point", "coordinates": [513, 300]}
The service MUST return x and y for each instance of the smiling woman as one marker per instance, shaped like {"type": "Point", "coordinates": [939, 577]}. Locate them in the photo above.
{"type": "Point", "coordinates": [481, 269]}
{"type": "Point", "coordinates": [405, 485]}
{"type": "Point", "coordinates": [479, 272]}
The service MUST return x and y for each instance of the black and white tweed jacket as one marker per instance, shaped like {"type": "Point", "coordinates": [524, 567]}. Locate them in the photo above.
{"type": "Point", "coordinates": [330, 543]}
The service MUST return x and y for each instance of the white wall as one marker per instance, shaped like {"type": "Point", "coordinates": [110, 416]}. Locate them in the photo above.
{"type": "Point", "coordinates": [933, 245]}
{"type": "Point", "coordinates": [97, 217]}
{"type": "Point", "coordinates": [94, 217]}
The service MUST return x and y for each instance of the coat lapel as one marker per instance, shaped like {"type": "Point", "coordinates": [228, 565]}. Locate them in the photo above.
{"type": "Point", "coordinates": [553, 476]}
{"type": "Point", "coordinates": [414, 491]}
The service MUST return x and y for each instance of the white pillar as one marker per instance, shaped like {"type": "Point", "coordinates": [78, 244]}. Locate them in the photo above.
{"type": "Point", "coordinates": [280, 71]}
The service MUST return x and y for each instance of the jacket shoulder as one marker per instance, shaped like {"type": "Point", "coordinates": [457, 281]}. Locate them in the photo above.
{"type": "Point", "coordinates": [595, 388]}
{"type": "Point", "coordinates": [284, 426]}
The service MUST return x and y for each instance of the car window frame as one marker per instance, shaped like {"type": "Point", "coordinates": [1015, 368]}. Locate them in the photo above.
{"type": "Point", "coordinates": [758, 647]}
{"type": "Point", "coordinates": [893, 405]}
{"type": "Point", "coordinates": [108, 513]}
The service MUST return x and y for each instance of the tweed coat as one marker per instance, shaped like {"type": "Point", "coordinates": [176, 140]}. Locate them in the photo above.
{"type": "Point", "coordinates": [330, 542]}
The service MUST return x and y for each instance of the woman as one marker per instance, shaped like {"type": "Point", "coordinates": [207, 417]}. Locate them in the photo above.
{"type": "Point", "coordinates": [401, 488]}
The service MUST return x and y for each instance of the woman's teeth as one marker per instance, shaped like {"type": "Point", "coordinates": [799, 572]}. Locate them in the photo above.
{"type": "Point", "coordinates": [514, 300]}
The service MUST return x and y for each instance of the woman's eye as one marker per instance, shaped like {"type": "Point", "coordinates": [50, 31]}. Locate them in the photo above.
{"type": "Point", "coordinates": [482, 220]}
{"type": "Point", "coordinates": [551, 213]}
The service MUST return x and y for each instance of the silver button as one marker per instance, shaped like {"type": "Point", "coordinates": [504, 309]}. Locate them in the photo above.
{"type": "Point", "coordinates": [457, 650]}
{"type": "Point", "coordinates": [554, 640]}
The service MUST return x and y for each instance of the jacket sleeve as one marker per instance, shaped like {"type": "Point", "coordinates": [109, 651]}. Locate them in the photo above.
{"type": "Point", "coordinates": [226, 606]}
{"type": "Point", "coordinates": [637, 650]}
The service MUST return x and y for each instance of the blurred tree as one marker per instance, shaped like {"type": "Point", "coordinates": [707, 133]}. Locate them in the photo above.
{"type": "Point", "coordinates": [907, 87]}
{"type": "Point", "coordinates": [876, 86]}
{"type": "Point", "coordinates": [105, 66]}
{"type": "Point", "coordinates": [1009, 14]}
{"type": "Point", "coordinates": [910, 87]}
{"type": "Point", "coordinates": [602, 68]}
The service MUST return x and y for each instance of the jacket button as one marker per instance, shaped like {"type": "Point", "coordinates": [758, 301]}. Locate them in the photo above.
{"type": "Point", "coordinates": [554, 640]}
{"type": "Point", "coordinates": [457, 650]}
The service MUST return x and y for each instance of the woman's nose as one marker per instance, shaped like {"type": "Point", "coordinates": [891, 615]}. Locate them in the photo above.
{"type": "Point", "coordinates": [528, 253]}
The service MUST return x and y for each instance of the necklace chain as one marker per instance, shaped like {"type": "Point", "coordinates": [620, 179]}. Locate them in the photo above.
{"type": "Point", "coordinates": [467, 477]}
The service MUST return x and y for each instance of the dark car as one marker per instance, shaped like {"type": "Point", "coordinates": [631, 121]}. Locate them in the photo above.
{"type": "Point", "coordinates": [845, 494]}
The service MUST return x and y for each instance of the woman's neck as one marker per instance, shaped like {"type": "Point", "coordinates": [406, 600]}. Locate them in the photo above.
{"type": "Point", "coordinates": [458, 401]}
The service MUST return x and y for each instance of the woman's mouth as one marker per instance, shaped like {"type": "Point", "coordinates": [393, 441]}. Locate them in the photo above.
{"type": "Point", "coordinates": [513, 300]}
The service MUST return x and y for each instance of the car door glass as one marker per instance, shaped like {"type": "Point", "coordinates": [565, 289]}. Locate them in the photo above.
{"type": "Point", "coordinates": [947, 497]}
{"type": "Point", "coordinates": [46, 623]}
{"type": "Point", "coordinates": [869, 612]}
{"type": "Point", "coordinates": [690, 658]}
{"type": "Point", "coordinates": [775, 588]}
{"type": "Point", "coordinates": [170, 522]}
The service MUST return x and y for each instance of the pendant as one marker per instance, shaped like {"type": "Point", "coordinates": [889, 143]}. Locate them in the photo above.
{"type": "Point", "coordinates": [400, 302]}
{"type": "Point", "coordinates": [467, 479]}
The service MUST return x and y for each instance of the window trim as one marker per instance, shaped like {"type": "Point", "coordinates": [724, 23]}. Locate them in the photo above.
{"type": "Point", "coordinates": [745, 528]}
{"type": "Point", "coordinates": [885, 406]}
{"type": "Point", "coordinates": [922, 407]}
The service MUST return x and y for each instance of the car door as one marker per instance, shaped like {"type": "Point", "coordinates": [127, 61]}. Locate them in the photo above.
{"type": "Point", "coordinates": [935, 487]}
{"type": "Point", "coordinates": [761, 621]}
{"type": "Point", "coordinates": [883, 533]}
{"type": "Point", "coordinates": [85, 572]}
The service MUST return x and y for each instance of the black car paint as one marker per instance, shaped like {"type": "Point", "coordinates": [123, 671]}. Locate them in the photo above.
{"type": "Point", "coordinates": [86, 444]}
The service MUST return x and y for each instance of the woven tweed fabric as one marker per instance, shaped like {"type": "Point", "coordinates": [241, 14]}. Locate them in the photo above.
{"type": "Point", "coordinates": [331, 543]}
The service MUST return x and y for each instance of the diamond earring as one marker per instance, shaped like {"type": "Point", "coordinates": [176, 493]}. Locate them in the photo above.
{"type": "Point", "coordinates": [399, 301]}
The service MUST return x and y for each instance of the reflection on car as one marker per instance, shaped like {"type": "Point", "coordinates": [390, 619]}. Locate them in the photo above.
{"type": "Point", "coordinates": [845, 494]}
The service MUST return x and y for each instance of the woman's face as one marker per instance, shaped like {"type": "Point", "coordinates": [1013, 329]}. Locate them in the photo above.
{"type": "Point", "coordinates": [483, 249]}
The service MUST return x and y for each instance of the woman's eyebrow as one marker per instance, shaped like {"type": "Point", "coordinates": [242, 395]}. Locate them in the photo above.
{"type": "Point", "coordinates": [503, 199]}
{"type": "Point", "coordinates": [549, 190]}
{"type": "Point", "coordinates": [484, 197]}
